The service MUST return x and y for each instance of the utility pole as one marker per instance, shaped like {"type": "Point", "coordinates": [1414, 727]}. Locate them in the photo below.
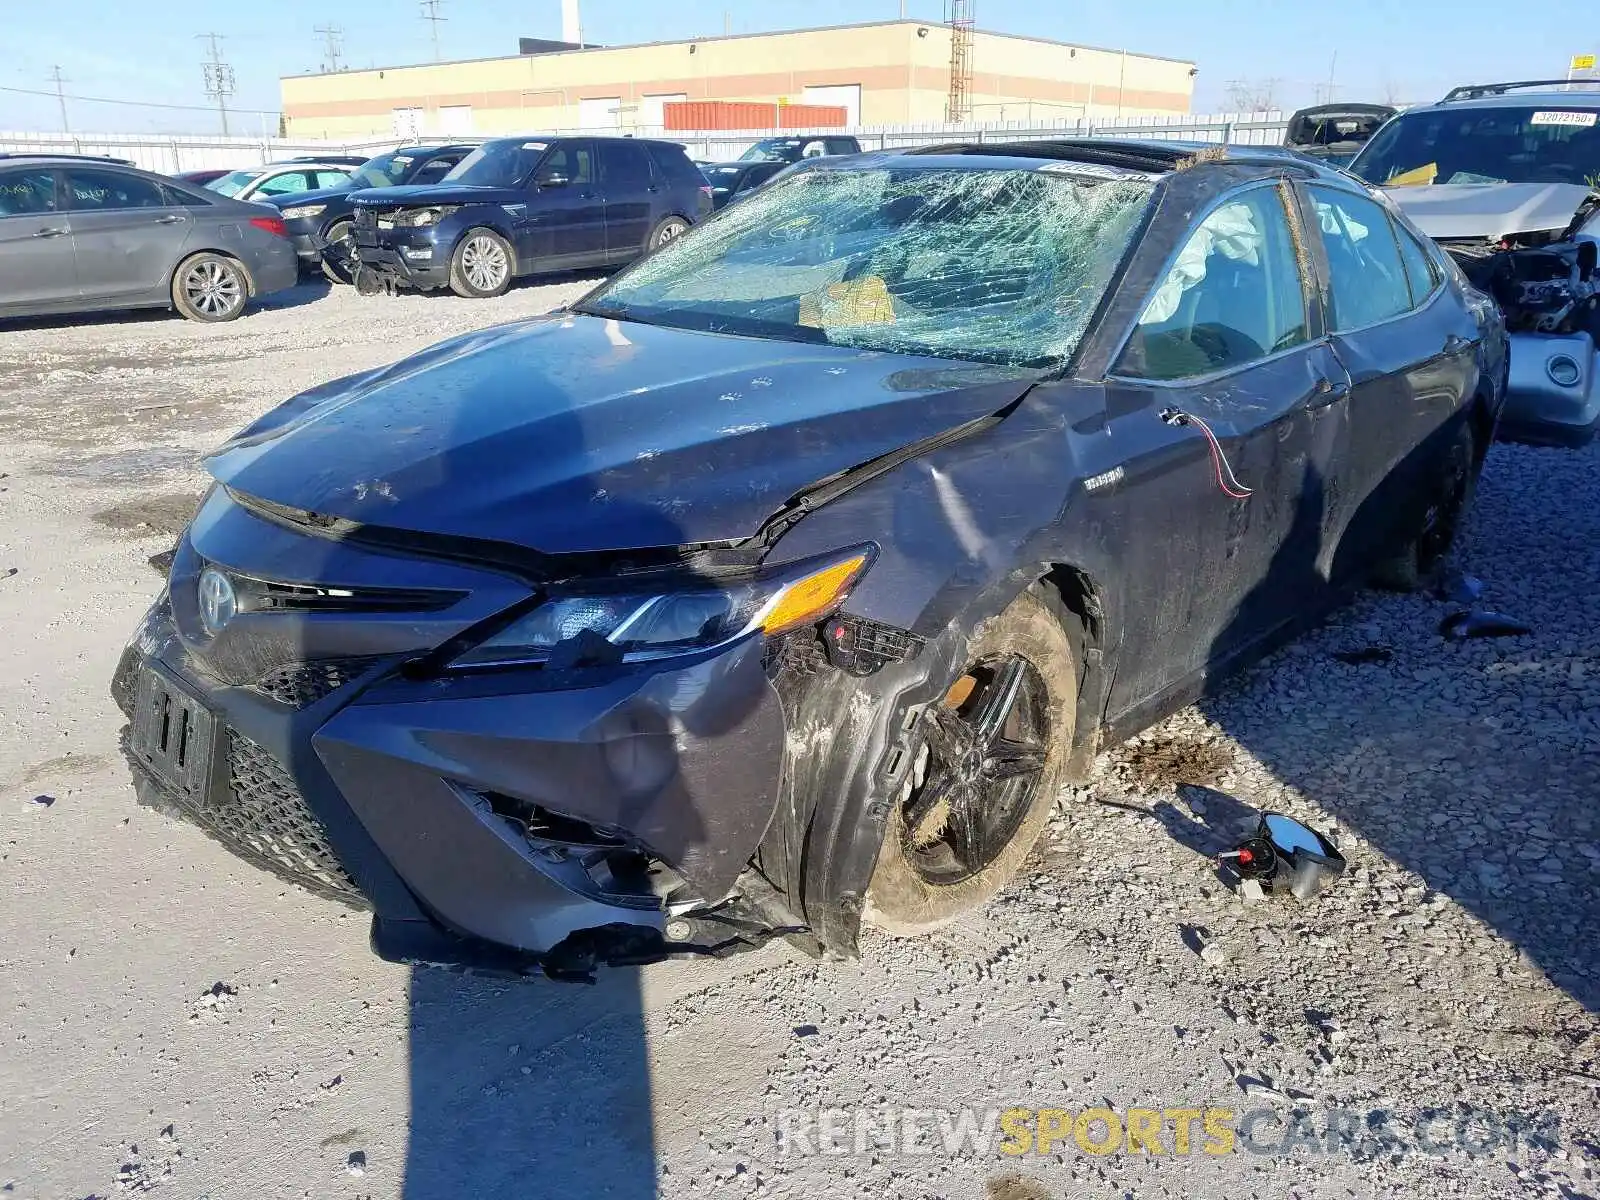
{"type": "Point", "coordinates": [430, 14]}
{"type": "Point", "coordinates": [58, 79]}
{"type": "Point", "coordinates": [331, 49]}
{"type": "Point", "coordinates": [220, 81]}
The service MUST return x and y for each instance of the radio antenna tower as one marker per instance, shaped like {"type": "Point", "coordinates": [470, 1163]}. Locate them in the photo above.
{"type": "Point", "coordinates": [430, 14]}
{"type": "Point", "coordinates": [220, 81]}
{"type": "Point", "coordinates": [958, 107]}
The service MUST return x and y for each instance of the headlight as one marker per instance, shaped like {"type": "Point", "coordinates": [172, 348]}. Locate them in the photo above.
{"type": "Point", "coordinates": [417, 218]}
{"type": "Point", "coordinates": [641, 627]}
{"type": "Point", "coordinates": [303, 210]}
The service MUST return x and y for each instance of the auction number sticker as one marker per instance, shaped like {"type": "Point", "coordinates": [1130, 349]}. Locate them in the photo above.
{"type": "Point", "coordinates": [1584, 119]}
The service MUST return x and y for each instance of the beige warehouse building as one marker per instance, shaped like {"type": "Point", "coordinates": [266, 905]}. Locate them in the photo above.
{"type": "Point", "coordinates": [882, 73]}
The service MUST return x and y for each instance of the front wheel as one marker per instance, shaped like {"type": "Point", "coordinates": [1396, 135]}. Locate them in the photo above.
{"type": "Point", "coordinates": [994, 752]}
{"type": "Point", "coordinates": [669, 230]}
{"type": "Point", "coordinates": [210, 287]}
{"type": "Point", "coordinates": [339, 255]}
{"type": "Point", "coordinates": [481, 265]}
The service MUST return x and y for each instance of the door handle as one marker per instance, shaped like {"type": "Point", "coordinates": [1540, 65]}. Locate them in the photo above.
{"type": "Point", "coordinates": [169, 219]}
{"type": "Point", "coordinates": [52, 232]}
{"type": "Point", "coordinates": [1328, 392]}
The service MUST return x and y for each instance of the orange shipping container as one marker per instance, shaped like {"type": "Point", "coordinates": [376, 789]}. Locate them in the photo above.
{"type": "Point", "coordinates": [697, 115]}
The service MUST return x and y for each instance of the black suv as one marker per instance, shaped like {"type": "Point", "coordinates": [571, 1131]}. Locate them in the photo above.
{"type": "Point", "coordinates": [517, 206]}
{"type": "Point", "coordinates": [320, 222]}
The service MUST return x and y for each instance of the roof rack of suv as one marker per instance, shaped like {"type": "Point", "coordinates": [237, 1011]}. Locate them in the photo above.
{"type": "Point", "coordinates": [1476, 91]}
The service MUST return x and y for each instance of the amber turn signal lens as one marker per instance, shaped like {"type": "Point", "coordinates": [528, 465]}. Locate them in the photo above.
{"type": "Point", "coordinates": [808, 600]}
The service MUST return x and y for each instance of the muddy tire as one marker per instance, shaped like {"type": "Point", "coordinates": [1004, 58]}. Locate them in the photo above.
{"type": "Point", "coordinates": [1437, 520]}
{"type": "Point", "coordinates": [210, 287]}
{"type": "Point", "coordinates": [482, 265]}
{"type": "Point", "coordinates": [339, 255]}
{"type": "Point", "coordinates": [670, 229]}
{"type": "Point", "coordinates": [968, 817]}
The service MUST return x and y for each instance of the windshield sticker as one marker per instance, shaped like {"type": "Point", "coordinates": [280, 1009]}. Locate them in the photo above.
{"type": "Point", "coordinates": [1416, 177]}
{"type": "Point", "coordinates": [402, 161]}
{"type": "Point", "coordinates": [1582, 119]}
{"type": "Point", "coordinates": [536, 146]}
{"type": "Point", "coordinates": [1093, 171]}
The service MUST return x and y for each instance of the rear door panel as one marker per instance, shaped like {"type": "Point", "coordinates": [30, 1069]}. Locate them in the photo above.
{"type": "Point", "coordinates": [127, 234]}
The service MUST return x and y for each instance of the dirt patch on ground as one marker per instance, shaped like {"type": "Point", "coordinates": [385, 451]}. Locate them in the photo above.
{"type": "Point", "coordinates": [1159, 764]}
{"type": "Point", "coordinates": [1016, 1187]}
{"type": "Point", "coordinates": [148, 516]}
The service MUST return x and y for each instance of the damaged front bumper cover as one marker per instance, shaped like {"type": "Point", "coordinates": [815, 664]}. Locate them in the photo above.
{"type": "Point", "coordinates": [435, 803]}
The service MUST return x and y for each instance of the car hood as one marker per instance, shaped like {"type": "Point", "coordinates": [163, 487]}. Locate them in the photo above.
{"type": "Point", "coordinates": [572, 433]}
{"type": "Point", "coordinates": [1490, 210]}
{"type": "Point", "coordinates": [420, 194]}
{"type": "Point", "coordinates": [295, 199]}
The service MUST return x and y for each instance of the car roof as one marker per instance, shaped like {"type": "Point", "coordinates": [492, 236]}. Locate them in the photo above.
{"type": "Point", "coordinates": [1532, 93]}
{"type": "Point", "coordinates": [10, 156]}
{"type": "Point", "coordinates": [1150, 157]}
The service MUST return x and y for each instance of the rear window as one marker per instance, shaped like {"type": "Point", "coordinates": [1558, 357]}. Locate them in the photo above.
{"type": "Point", "coordinates": [672, 162]}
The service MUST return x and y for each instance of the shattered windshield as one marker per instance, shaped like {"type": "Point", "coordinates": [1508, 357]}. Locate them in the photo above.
{"type": "Point", "coordinates": [1486, 145]}
{"type": "Point", "coordinates": [1001, 266]}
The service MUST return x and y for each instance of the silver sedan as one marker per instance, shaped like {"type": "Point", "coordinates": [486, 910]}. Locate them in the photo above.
{"type": "Point", "coordinates": [84, 235]}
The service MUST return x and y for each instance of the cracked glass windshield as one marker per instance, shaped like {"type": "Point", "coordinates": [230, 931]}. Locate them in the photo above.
{"type": "Point", "coordinates": [1486, 145]}
{"type": "Point", "coordinates": [999, 266]}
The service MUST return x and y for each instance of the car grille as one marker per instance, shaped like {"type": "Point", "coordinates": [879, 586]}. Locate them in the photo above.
{"type": "Point", "coordinates": [269, 823]}
{"type": "Point", "coordinates": [301, 684]}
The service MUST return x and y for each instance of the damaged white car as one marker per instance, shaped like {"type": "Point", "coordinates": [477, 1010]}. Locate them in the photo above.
{"type": "Point", "coordinates": [1506, 178]}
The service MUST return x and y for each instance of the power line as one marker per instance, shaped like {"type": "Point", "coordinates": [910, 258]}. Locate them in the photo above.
{"type": "Point", "coordinates": [58, 79]}
{"type": "Point", "coordinates": [332, 48]}
{"type": "Point", "coordinates": [430, 13]}
{"type": "Point", "coordinates": [220, 81]}
{"type": "Point", "coordinates": [269, 112]}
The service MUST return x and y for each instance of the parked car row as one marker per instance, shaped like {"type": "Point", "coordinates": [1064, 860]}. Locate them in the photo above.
{"type": "Point", "coordinates": [774, 587]}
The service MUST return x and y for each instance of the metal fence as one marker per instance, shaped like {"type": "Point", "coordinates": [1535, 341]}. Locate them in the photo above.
{"type": "Point", "coordinates": [172, 153]}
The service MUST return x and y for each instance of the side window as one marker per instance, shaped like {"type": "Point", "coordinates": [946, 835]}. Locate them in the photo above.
{"type": "Point", "coordinates": [1365, 274]}
{"type": "Point", "coordinates": [23, 193]}
{"type": "Point", "coordinates": [1233, 295]}
{"type": "Point", "coordinates": [289, 181]}
{"type": "Point", "coordinates": [624, 166]}
{"type": "Point", "coordinates": [109, 190]}
{"type": "Point", "coordinates": [841, 146]}
{"type": "Point", "coordinates": [328, 179]}
{"type": "Point", "coordinates": [816, 148]}
{"type": "Point", "coordinates": [1422, 271]}
{"type": "Point", "coordinates": [574, 161]}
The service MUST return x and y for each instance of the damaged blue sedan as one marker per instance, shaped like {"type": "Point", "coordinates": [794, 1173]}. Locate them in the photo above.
{"type": "Point", "coordinates": [776, 586]}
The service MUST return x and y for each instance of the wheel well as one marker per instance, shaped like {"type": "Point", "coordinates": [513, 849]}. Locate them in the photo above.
{"type": "Point", "coordinates": [1481, 417]}
{"type": "Point", "coordinates": [1078, 603]}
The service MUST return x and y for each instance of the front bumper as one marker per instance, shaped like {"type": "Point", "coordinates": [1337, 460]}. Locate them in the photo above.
{"type": "Point", "coordinates": [1542, 409]}
{"type": "Point", "coordinates": [403, 258]}
{"type": "Point", "coordinates": [396, 795]}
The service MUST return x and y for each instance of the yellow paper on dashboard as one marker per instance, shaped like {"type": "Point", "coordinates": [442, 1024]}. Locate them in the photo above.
{"type": "Point", "coordinates": [864, 301]}
{"type": "Point", "coordinates": [1416, 177]}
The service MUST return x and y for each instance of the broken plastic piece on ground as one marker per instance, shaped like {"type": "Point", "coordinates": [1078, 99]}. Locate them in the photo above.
{"type": "Point", "coordinates": [1366, 654]}
{"type": "Point", "coordinates": [163, 562]}
{"type": "Point", "coordinates": [1481, 623]}
{"type": "Point", "coordinates": [1459, 588]}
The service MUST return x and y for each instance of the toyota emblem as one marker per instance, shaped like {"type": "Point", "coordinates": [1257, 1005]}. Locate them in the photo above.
{"type": "Point", "coordinates": [217, 600]}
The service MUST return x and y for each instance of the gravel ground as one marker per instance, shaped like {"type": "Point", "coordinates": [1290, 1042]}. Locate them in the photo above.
{"type": "Point", "coordinates": [177, 1022]}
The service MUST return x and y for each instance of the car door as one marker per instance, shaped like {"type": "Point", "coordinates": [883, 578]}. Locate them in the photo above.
{"type": "Point", "coordinates": [36, 263]}
{"type": "Point", "coordinates": [632, 195]}
{"type": "Point", "coordinates": [1410, 351]}
{"type": "Point", "coordinates": [128, 231]}
{"type": "Point", "coordinates": [564, 223]}
{"type": "Point", "coordinates": [1227, 513]}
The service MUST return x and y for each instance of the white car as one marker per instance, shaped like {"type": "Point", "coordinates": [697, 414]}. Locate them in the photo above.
{"type": "Point", "coordinates": [280, 179]}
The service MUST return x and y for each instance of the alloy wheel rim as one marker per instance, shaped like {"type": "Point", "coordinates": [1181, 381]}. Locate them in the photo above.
{"type": "Point", "coordinates": [484, 264]}
{"type": "Point", "coordinates": [213, 288]}
{"type": "Point", "coordinates": [987, 742]}
{"type": "Point", "coordinates": [671, 231]}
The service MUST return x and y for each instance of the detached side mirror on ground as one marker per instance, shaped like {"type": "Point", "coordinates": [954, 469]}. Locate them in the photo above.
{"type": "Point", "coordinates": [1286, 855]}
